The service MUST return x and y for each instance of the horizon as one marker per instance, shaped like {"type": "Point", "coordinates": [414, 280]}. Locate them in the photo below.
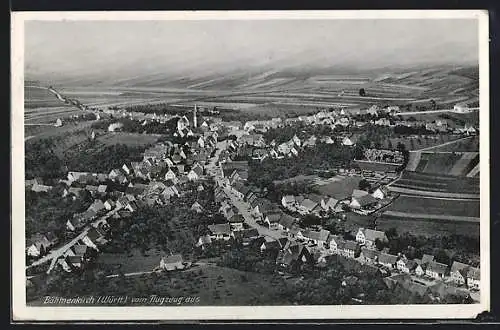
{"type": "Point", "coordinates": [113, 51]}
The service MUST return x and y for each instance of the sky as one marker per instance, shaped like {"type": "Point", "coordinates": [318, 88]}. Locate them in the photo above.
{"type": "Point", "coordinates": [120, 49]}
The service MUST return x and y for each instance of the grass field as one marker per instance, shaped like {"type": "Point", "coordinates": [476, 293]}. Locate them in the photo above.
{"type": "Point", "coordinates": [129, 263]}
{"type": "Point", "coordinates": [130, 139]}
{"type": "Point", "coordinates": [341, 188]}
{"type": "Point", "coordinates": [212, 285]}
{"type": "Point", "coordinates": [470, 144]}
{"type": "Point", "coordinates": [428, 227]}
{"type": "Point", "coordinates": [435, 206]}
{"type": "Point", "coordinates": [437, 163]}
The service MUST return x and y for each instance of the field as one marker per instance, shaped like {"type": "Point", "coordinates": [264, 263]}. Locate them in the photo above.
{"type": "Point", "coordinates": [438, 183]}
{"type": "Point", "coordinates": [40, 132]}
{"type": "Point", "coordinates": [276, 92]}
{"type": "Point", "coordinates": [130, 139]}
{"type": "Point", "coordinates": [416, 142]}
{"type": "Point", "coordinates": [432, 206]}
{"type": "Point", "coordinates": [428, 227]}
{"type": "Point", "coordinates": [340, 188]}
{"type": "Point", "coordinates": [470, 144]}
{"type": "Point", "coordinates": [129, 263]}
{"type": "Point", "coordinates": [215, 286]}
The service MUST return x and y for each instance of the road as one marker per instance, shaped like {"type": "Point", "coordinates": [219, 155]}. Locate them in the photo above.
{"type": "Point", "coordinates": [244, 209]}
{"type": "Point", "coordinates": [441, 145]}
{"type": "Point", "coordinates": [407, 215]}
{"type": "Point", "coordinates": [60, 251]}
{"type": "Point", "coordinates": [431, 111]}
{"type": "Point", "coordinates": [55, 254]}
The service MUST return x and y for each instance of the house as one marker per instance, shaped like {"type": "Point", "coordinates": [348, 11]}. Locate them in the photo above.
{"type": "Point", "coordinates": [197, 207]}
{"type": "Point", "coordinates": [318, 238]}
{"type": "Point", "coordinates": [172, 262]}
{"type": "Point", "coordinates": [308, 206]}
{"type": "Point", "coordinates": [436, 270]}
{"type": "Point", "coordinates": [220, 231]}
{"type": "Point", "coordinates": [351, 249]}
{"type": "Point", "coordinates": [236, 222]}
{"type": "Point", "coordinates": [204, 241]}
{"type": "Point", "coordinates": [294, 255]}
{"type": "Point", "coordinates": [331, 204]}
{"type": "Point", "coordinates": [261, 206]}
{"type": "Point", "coordinates": [387, 260]}
{"type": "Point", "coordinates": [349, 141]}
{"type": "Point", "coordinates": [363, 202]}
{"type": "Point", "coordinates": [38, 245]}
{"type": "Point", "coordinates": [101, 189]}
{"type": "Point", "coordinates": [288, 201]}
{"type": "Point", "coordinates": [420, 269]}
{"type": "Point", "coordinates": [97, 206]}
{"type": "Point", "coordinates": [286, 223]}
{"type": "Point", "coordinates": [369, 256]}
{"type": "Point", "coordinates": [380, 193]}
{"type": "Point", "coordinates": [335, 244]}
{"type": "Point", "coordinates": [458, 272]}
{"type": "Point", "coordinates": [368, 237]}
{"type": "Point", "coordinates": [193, 176]}
{"type": "Point", "coordinates": [273, 245]}
{"type": "Point", "coordinates": [273, 218]}
{"type": "Point", "coordinates": [93, 239]}
{"type": "Point", "coordinates": [406, 266]}
{"type": "Point", "coordinates": [41, 188]}
{"type": "Point", "coordinates": [473, 278]}
{"type": "Point", "coordinates": [245, 236]}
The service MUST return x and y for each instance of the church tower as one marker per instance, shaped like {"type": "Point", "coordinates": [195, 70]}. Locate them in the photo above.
{"type": "Point", "coordinates": [195, 120]}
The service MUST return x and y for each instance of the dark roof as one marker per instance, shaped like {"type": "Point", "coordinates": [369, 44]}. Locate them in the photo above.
{"type": "Point", "coordinates": [369, 253]}
{"type": "Point", "coordinates": [351, 245]}
{"type": "Point", "coordinates": [172, 259]}
{"type": "Point", "coordinates": [437, 267]}
{"type": "Point", "coordinates": [386, 258]}
{"type": "Point", "coordinates": [222, 228]}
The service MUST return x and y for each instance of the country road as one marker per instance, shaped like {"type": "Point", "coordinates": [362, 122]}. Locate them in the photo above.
{"type": "Point", "coordinates": [244, 209]}
{"type": "Point", "coordinates": [441, 145]}
{"type": "Point", "coordinates": [431, 111]}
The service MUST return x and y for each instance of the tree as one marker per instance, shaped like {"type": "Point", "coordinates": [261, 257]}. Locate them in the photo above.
{"type": "Point", "coordinates": [433, 105]}
{"type": "Point", "coordinates": [364, 185]}
{"type": "Point", "coordinates": [362, 92]}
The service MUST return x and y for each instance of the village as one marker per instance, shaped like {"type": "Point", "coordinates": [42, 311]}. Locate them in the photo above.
{"type": "Point", "coordinates": [224, 151]}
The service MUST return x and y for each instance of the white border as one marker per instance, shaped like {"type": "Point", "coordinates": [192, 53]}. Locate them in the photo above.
{"type": "Point", "coordinates": [23, 313]}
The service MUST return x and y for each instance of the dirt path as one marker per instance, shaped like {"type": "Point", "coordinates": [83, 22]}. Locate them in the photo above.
{"type": "Point", "coordinates": [431, 216]}
{"type": "Point", "coordinates": [441, 145]}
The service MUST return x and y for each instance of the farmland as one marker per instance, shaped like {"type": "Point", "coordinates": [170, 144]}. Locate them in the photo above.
{"type": "Point", "coordinates": [470, 144]}
{"type": "Point", "coordinates": [438, 183]}
{"type": "Point", "coordinates": [428, 227]}
{"type": "Point", "coordinates": [130, 263]}
{"type": "Point", "coordinates": [130, 139]}
{"type": "Point", "coordinates": [340, 188]}
{"type": "Point", "coordinates": [417, 142]}
{"type": "Point", "coordinates": [432, 206]}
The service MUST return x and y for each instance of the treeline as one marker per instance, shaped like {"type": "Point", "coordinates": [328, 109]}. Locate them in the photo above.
{"type": "Point", "coordinates": [41, 160]}
{"type": "Point", "coordinates": [171, 228]}
{"type": "Point", "coordinates": [48, 212]}
{"type": "Point", "coordinates": [135, 126]}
